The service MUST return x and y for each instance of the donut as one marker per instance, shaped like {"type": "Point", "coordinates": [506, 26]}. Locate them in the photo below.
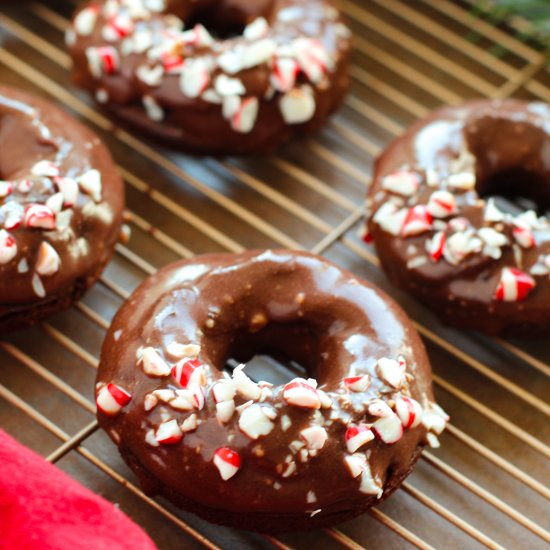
{"type": "Point", "coordinates": [251, 454]}
{"type": "Point", "coordinates": [441, 228]}
{"type": "Point", "coordinates": [213, 76]}
{"type": "Point", "coordinates": [61, 203]}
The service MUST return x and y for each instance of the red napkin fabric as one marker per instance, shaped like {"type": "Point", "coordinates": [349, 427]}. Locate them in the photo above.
{"type": "Point", "coordinates": [41, 508]}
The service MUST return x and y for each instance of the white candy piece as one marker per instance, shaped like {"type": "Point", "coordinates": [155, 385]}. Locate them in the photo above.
{"type": "Point", "coordinates": [391, 372]}
{"type": "Point", "coordinates": [153, 364]}
{"type": "Point", "coordinates": [154, 111]}
{"type": "Point", "coordinates": [45, 168]}
{"type": "Point", "coordinates": [257, 29]}
{"type": "Point", "coordinates": [227, 462]}
{"type": "Point", "coordinates": [225, 410]}
{"type": "Point", "coordinates": [357, 383]}
{"type": "Point", "coordinates": [402, 183]}
{"type": "Point", "coordinates": [379, 408]}
{"type": "Point", "coordinates": [224, 390]}
{"type": "Point", "coordinates": [90, 183]}
{"type": "Point", "coordinates": [314, 436]}
{"type": "Point", "coordinates": [355, 464]}
{"type": "Point", "coordinates": [389, 429]}
{"type": "Point", "coordinates": [245, 387]}
{"type": "Point", "coordinates": [254, 421]}
{"type": "Point", "coordinates": [300, 393]}
{"type": "Point", "coordinates": [190, 423]}
{"type": "Point", "coordinates": [226, 86]}
{"type": "Point", "coordinates": [152, 76]}
{"type": "Point", "coordinates": [369, 486]}
{"type": "Point", "coordinates": [48, 261]}
{"type": "Point", "coordinates": [84, 22]}
{"type": "Point", "coordinates": [298, 106]}
{"type": "Point", "coordinates": [179, 351]}
{"type": "Point", "coordinates": [194, 78]}
{"type": "Point", "coordinates": [463, 180]}
{"type": "Point", "coordinates": [390, 219]}
{"type": "Point", "coordinates": [68, 187]}
{"type": "Point", "coordinates": [244, 119]}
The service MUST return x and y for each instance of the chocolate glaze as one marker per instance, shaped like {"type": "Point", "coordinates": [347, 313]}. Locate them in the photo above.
{"type": "Point", "coordinates": [32, 130]}
{"type": "Point", "coordinates": [195, 124]}
{"type": "Point", "coordinates": [235, 306]}
{"type": "Point", "coordinates": [507, 145]}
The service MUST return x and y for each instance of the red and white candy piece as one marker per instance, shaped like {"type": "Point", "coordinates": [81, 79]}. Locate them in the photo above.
{"type": "Point", "coordinates": [357, 436]}
{"type": "Point", "coordinates": [312, 57]}
{"type": "Point", "coordinates": [8, 247]}
{"type": "Point", "coordinates": [436, 245]}
{"type": "Point", "coordinates": [13, 214]}
{"type": "Point", "coordinates": [391, 372]}
{"type": "Point", "coordinates": [298, 105]}
{"type": "Point", "coordinates": [119, 26]}
{"type": "Point", "coordinates": [388, 428]}
{"type": "Point", "coordinates": [379, 408]}
{"type": "Point", "coordinates": [102, 60]}
{"type": "Point", "coordinates": [390, 218]}
{"type": "Point", "coordinates": [6, 188]}
{"type": "Point", "coordinates": [69, 189]}
{"type": "Point", "coordinates": [48, 261]}
{"type": "Point", "coordinates": [524, 237]}
{"type": "Point", "coordinates": [198, 37]}
{"type": "Point", "coordinates": [244, 119]}
{"type": "Point", "coordinates": [300, 393]}
{"type": "Point", "coordinates": [169, 433]}
{"type": "Point", "coordinates": [315, 437]}
{"type": "Point", "coordinates": [39, 216]}
{"type": "Point", "coordinates": [441, 204]}
{"type": "Point", "coordinates": [111, 398]}
{"type": "Point", "coordinates": [46, 169]}
{"type": "Point", "coordinates": [189, 371]}
{"type": "Point", "coordinates": [514, 285]}
{"type": "Point", "coordinates": [409, 411]}
{"type": "Point", "coordinates": [194, 78]}
{"type": "Point", "coordinates": [418, 220]}
{"type": "Point", "coordinates": [227, 461]}
{"type": "Point", "coordinates": [246, 387]}
{"type": "Point", "coordinates": [284, 74]}
{"type": "Point", "coordinates": [403, 183]}
{"type": "Point", "coordinates": [172, 63]}
{"type": "Point", "coordinates": [153, 364]}
{"type": "Point", "coordinates": [357, 383]}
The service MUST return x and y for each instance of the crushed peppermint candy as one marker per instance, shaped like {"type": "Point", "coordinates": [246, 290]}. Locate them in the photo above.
{"type": "Point", "coordinates": [227, 462]}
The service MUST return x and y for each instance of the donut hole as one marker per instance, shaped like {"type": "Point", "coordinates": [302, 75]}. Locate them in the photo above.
{"type": "Point", "coordinates": [221, 24]}
{"type": "Point", "coordinates": [278, 353]}
{"type": "Point", "coordinates": [516, 190]}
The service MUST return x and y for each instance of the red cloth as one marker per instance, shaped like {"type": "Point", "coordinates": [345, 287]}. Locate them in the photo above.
{"type": "Point", "coordinates": [41, 508]}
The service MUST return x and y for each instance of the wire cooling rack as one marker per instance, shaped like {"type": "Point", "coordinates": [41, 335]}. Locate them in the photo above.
{"type": "Point", "coordinates": [488, 484]}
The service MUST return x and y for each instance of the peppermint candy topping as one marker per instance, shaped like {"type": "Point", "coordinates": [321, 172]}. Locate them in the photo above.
{"type": "Point", "coordinates": [48, 261]}
{"type": "Point", "coordinates": [357, 383]}
{"type": "Point", "coordinates": [8, 247]}
{"type": "Point", "coordinates": [153, 364]}
{"type": "Point", "coordinates": [39, 216]}
{"type": "Point", "coordinates": [227, 462]}
{"type": "Point", "coordinates": [315, 437]}
{"type": "Point", "coordinates": [441, 204]}
{"type": "Point", "coordinates": [514, 285]}
{"type": "Point", "coordinates": [388, 428]}
{"type": "Point", "coordinates": [111, 398]}
{"type": "Point", "coordinates": [418, 220]}
{"type": "Point", "coordinates": [402, 183]}
{"type": "Point", "coordinates": [256, 421]}
{"type": "Point", "coordinates": [102, 60]}
{"type": "Point", "coordinates": [409, 411]}
{"type": "Point", "coordinates": [300, 393]}
{"type": "Point", "coordinates": [6, 188]}
{"type": "Point", "coordinates": [298, 105]}
{"type": "Point", "coordinates": [188, 371]}
{"type": "Point", "coordinates": [168, 433]}
{"type": "Point", "coordinates": [357, 436]}
{"type": "Point", "coordinates": [436, 245]}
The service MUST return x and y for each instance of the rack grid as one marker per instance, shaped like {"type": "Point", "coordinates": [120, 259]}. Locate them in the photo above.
{"type": "Point", "coordinates": [487, 486]}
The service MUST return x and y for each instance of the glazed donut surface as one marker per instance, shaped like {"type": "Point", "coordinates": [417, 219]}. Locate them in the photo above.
{"type": "Point", "coordinates": [61, 203]}
{"type": "Point", "coordinates": [268, 70]}
{"type": "Point", "coordinates": [317, 450]}
{"type": "Point", "coordinates": [441, 234]}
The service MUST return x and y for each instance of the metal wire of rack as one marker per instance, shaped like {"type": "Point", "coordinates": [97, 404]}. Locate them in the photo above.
{"type": "Point", "coordinates": [488, 484]}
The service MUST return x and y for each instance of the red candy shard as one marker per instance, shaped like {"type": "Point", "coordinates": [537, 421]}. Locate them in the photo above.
{"type": "Point", "coordinates": [227, 461]}
{"type": "Point", "coordinates": [357, 383]}
{"type": "Point", "coordinates": [409, 411]}
{"type": "Point", "coordinates": [168, 433]}
{"type": "Point", "coordinates": [39, 216]}
{"type": "Point", "coordinates": [300, 394]}
{"type": "Point", "coordinates": [111, 398]}
{"type": "Point", "coordinates": [357, 436]}
{"type": "Point", "coordinates": [514, 285]}
{"type": "Point", "coordinates": [436, 245]}
{"type": "Point", "coordinates": [418, 220]}
{"type": "Point", "coordinates": [187, 371]}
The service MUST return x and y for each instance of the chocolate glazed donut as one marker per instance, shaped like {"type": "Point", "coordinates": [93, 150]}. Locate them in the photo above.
{"type": "Point", "coordinates": [61, 203]}
{"type": "Point", "coordinates": [441, 235]}
{"type": "Point", "coordinates": [280, 71]}
{"type": "Point", "coordinates": [308, 453]}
